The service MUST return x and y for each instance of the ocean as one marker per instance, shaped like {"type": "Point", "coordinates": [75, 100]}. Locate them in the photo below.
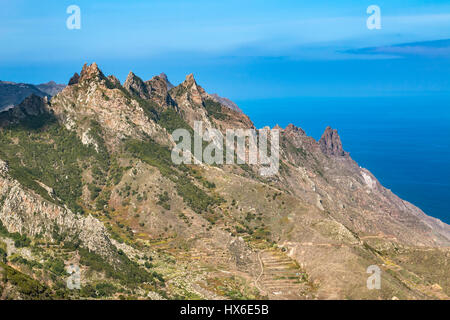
{"type": "Point", "coordinates": [403, 141]}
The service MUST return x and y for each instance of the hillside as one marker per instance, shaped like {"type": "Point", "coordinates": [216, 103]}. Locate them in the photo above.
{"type": "Point", "coordinates": [86, 178]}
{"type": "Point", "coordinates": [12, 93]}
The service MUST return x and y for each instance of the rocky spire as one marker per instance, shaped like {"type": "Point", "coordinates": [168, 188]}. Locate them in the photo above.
{"type": "Point", "coordinates": [74, 80]}
{"type": "Point", "coordinates": [331, 144]}
{"type": "Point", "coordinates": [195, 90]}
{"type": "Point", "coordinates": [158, 88]}
{"type": "Point", "coordinates": [114, 81]}
{"type": "Point", "coordinates": [91, 72]}
{"type": "Point", "coordinates": [136, 86]}
{"type": "Point", "coordinates": [293, 129]}
{"type": "Point", "coordinates": [190, 81]}
{"type": "Point", "coordinates": [33, 105]}
{"type": "Point", "coordinates": [163, 76]}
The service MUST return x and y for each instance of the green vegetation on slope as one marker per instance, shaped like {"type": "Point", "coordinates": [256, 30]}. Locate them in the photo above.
{"type": "Point", "coordinates": [215, 109]}
{"type": "Point", "coordinates": [42, 151]}
{"type": "Point", "coordinates": [159, 157]}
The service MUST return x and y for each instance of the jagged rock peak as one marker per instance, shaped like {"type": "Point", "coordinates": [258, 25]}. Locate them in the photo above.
{"type": "Point", "coordinates": [136, 86]}
{"type": "Point", "coordinates": [331, 144]}
{"type": "Point", "coordinates": [190, 81]}
{"type": "Point", "coordinates": [163, 76]}
{"type": "Point", "coordinates": [3, 167]}
{"type": "Point", "coordinates": [292, 128]}
{"type": "Point", "coordinates": [34, 105]}
{"type": "Point", "coordinates": [190, 77]}
{"type": "Point", "coordinates": [226, 102]}
{"type": "Point", "coordinates": [74, 80]}
{"type": "Point", "coordinates": [91, 72]}
{"type": "Point", "coordinates": [114, 80]}
{"type": "Point", "coordinates": [132, 78]}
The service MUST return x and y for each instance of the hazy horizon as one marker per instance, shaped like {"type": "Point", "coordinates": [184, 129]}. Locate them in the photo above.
{"type": "Point", "coordinates": [239, 50]}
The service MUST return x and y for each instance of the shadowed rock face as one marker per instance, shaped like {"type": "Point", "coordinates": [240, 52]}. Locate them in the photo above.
{"type": "Point", "coordinates": [155, 89]}
{"type": "Point", "coordinates": [12, 93]}
{"type": "Point", "coordinates": [169, 85]}
{"type": "Point", "coordinates": [295, 130]}
{"type": "Point", "coordinates": [74, 80]}
{"type": "Point", "coordinates": [159, 87]}
{"type": "Point", "coordinates": [331, 144]}
{"type": "Point", "coordinates": [90, 72]}
{"type": "Point", "coordinates": [136, 86]}
{"type": "Point", "coordinates": [32, 106]}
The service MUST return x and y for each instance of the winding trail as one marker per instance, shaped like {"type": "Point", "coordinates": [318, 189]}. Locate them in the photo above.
{"type": "Point", "coordinates": [260, 275]}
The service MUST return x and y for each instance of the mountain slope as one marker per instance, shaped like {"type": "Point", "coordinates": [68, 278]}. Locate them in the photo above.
{"type": "Point", "coordinates": [13, 93]}
{"type": "Point", "coordinates": [51, 88]}
{"type": "Point", "coordinates": [87, 178]}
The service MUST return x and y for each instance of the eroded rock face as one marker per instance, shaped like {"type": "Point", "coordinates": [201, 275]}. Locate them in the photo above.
{"type": "Point", "coordinates": [114, 81]}
{"type": "Point", "coordinates": [12, 93]}
{"type": "Point", "coordinates": [159, 87]}
{"type": "Point", "coordinates": [93, 99]}
{"type": "Point", "coordinates": [136, 86]}
{"type": "Point", "coordinates": [24, 212]}
{"type": "Point", "coordinates": [91, 72]}
{"type": "Point", "coordinates": [331, 144]}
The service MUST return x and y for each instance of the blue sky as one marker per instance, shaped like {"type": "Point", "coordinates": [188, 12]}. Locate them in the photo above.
{"type": "Point", "coordinates": [240, 49]}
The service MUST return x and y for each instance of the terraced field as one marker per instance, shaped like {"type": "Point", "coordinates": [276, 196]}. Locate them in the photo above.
{"type": "Point", "coordinates": [281, 277]}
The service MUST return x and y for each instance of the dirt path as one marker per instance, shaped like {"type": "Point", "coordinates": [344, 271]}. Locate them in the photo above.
{"type": "Point", "coordinates": [260, 275]}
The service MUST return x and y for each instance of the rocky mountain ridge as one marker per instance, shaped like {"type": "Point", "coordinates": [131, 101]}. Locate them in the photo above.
{"type": "Point", "coordinates": [86, 176]}
{"type": "Point", "coordinates": [12, 93]}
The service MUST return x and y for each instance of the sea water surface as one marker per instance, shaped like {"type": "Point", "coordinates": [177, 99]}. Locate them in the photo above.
{"type": "Point", "coordinates": [403, 141]}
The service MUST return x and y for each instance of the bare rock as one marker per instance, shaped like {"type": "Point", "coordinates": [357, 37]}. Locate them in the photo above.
{"type": "Point", "coordinates": [74, 80]}
{"type": "Point", "coordinates": [331, 144]}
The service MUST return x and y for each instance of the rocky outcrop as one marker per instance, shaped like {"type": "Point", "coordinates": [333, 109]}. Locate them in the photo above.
{"type": "Point", "coordinates": [331, 144]}
{"type": "Point", "coordinates": [169, 85]}
{"type": "Point", "coordinates": [159, 87]}
{"type": "Point", "coordinates": [114, 81]}
{"type": "Point", "coordinates": [74, 80]}
{"type": "Point", "coordinates": [12, 93]}
{"type": "Point", "coordinates": [101, 99]}
{"type": "Point", "coordinates": [189, 99]}
{"type": "Point", "coordinates": [155, 90]}
{"type": "Point", "coordinates": [291, 129]}
{"type": "Point", "coordinates": [136, 86]}
{"type": "Point", "coordinates": [31, 107]}
{"type": "Point", "coordinates": [91, 72]}
{"type": "Point", "coordinates": [195, 92]}
{"type": "Point", "coordinates": [25, 212]}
